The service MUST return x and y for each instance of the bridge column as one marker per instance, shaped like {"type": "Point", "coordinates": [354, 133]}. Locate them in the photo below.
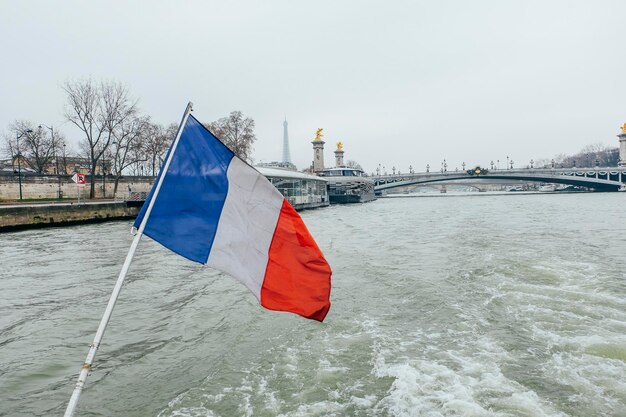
{"type": "Point", "coordinates": [318, 153]}
{"type": "Point", "coordinates": [622, 147]}
{"type": "Point", "coordinates": [339, 155]}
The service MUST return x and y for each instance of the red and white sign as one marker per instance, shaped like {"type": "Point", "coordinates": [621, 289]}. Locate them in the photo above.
{"type": "Point", "coordinates": [79, 179]}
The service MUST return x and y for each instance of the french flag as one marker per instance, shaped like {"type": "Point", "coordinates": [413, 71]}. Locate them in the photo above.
{"type": "Point", "coordinates": [215, 209]}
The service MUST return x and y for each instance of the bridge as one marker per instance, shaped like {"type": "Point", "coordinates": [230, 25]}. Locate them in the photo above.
{"type": "Point", "coordinates": [599, 179]}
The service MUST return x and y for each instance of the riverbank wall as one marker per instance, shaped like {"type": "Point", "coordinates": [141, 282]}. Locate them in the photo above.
{"type": "Point", "coordinates": [64, 214]}
{"type": "Point", "coordinates": [39, 187]}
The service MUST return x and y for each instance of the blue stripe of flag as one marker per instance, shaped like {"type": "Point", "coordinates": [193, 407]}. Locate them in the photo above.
{"type": "Point", "coordinates": [187, 209]}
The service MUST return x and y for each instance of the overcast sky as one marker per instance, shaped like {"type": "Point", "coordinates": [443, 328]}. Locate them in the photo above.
{"type": "Point", "coordinates": [399, 82]}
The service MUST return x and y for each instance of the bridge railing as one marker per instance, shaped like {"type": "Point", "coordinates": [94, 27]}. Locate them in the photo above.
{"type": "Point", "coordinates": [542, 170]}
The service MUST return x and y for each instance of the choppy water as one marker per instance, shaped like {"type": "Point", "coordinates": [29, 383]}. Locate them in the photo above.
{"type": "Point", "coordinates": [456, 306]}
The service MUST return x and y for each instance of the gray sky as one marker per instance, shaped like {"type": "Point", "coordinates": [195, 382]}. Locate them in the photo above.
{"type": "Point", "coordinates": [399, 82]}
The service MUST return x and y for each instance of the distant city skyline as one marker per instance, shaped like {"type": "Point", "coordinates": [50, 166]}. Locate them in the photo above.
{"type": "Point", "coordinates": [402, 83]}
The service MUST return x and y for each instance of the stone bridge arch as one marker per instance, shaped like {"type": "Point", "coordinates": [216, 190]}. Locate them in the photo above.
{"type": "Point", "coordinates": [599, 184]}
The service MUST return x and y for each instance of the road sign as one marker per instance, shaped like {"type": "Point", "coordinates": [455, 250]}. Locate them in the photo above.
{"type": "Point", "coordinates": [79, 179]}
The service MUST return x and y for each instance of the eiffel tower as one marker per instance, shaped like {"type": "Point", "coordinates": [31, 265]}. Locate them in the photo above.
{"type": "Point", "coordinates": [286, 154]}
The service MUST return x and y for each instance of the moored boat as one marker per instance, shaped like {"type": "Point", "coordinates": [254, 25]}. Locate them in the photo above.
{"type": "Point", "coordinates": [348, 185]}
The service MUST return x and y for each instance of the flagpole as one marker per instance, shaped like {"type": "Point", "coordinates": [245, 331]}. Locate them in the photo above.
{"type": "Point", "coordinates": [82, 377]}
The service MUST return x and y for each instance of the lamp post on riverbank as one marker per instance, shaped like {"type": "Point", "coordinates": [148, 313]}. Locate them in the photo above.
{"type": "Point", "coordinates": [19, 157]}
{"type": "Point", "coordinates": [103, 166]}
{"type": "Point", "coordinates": [64, 161]}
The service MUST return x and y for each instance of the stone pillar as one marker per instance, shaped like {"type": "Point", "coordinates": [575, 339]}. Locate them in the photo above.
{"type": "Point", "coordinates": [339, 158]}
{"type": "Point", "coordinates": [318, 155]}
{"type": "Point", "coordinates": [622, 148]}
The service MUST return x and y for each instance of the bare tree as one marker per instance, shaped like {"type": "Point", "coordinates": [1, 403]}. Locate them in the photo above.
{"type": "Point", "coordinates": [156, 143]}
{"type": "Point", "coordinates": [35, 145]}
{"type": "Point", "coordinates": [97, 109]}
{"type": "Point", "coordinates": [589, 156]}
{"type": "Point", "coordinates": [9, 146]}
{"type": "Point", "coordinates": [127, 145]}
{"type": "Point", "coordinates": [60, 152]}
{"type": "Point", "coordinates": [138, 155]}
{"type": "Point", "coordinates": [354, 164]}
{"type": "Point", "coordinates": [237, 132]}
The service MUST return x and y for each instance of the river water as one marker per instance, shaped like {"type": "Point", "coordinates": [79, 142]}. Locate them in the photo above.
{"type": "Point", "coordinates": [483, 305]}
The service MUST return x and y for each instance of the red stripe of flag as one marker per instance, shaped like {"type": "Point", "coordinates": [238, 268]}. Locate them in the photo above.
{"type": "Point", "coordinates": [297, 278]}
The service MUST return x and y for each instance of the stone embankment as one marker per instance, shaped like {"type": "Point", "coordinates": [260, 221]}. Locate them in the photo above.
{"type": "Point", "coordinates": [34, 187]}
{"type": "Point", "coordinates": [29, 216]}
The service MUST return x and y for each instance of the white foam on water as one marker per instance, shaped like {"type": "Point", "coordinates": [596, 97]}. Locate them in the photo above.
{"type": "Point", "coordinates": [319, 408]}
{"type": "Point", "coordinates": [430, 388]}
{"type": "Point", "coordinates": [367, 401]}
{"type": "Point", "coordinates": [463, 382]}
{"type": "Point", "coordinates": [191, 412]}
{"type": "Point", "coordinates": [576, 328]}
{"type": "Point", "coordinates": [324, 365]}
{"type": "Point", "coordinates": [598, 383]}
{"type": "Point", "coordinates": [303, 379]}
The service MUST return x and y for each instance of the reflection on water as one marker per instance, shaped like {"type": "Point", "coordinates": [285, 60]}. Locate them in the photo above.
{"type": "Point", "coordinates": [474, 306]}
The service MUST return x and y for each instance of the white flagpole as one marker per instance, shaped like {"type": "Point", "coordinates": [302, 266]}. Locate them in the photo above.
{"type": "Point", "coordinates": [82, 377]}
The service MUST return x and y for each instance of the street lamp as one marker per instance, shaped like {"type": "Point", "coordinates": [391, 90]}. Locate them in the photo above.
{"type": "Point", "coordinates": [445, 166]}
{"type": "Point", "coordinates": [393, 169]}
{"type": "Point", "coordinates": [410, 169]}
{"type": "Point", "coordinates": [492, 165]}
{"type": "Point", "coordinates": [507, 162]}
{"type": "Point", "coordinates": [552, 163]}
{"type": "Point", "coordinates": [532, 162]}
{"type": "Point", "coordinates": [511, 164]}
{"type": "Point", "coordinates": [498, 164]}
{"type": "Point", "coordinates": [104, 190]}
{"type": "Point", "coordinates": [427, 168]}
{"type": "Point", "coordinates": [19, 157]}
{"type": "Point", "coordinates": [64, 161]}
{"type": "Point", "coordinates": [463, 165]}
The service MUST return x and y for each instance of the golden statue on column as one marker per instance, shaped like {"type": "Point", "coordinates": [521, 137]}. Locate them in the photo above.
{"type": "Point", "coordinates": [319, 134]}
